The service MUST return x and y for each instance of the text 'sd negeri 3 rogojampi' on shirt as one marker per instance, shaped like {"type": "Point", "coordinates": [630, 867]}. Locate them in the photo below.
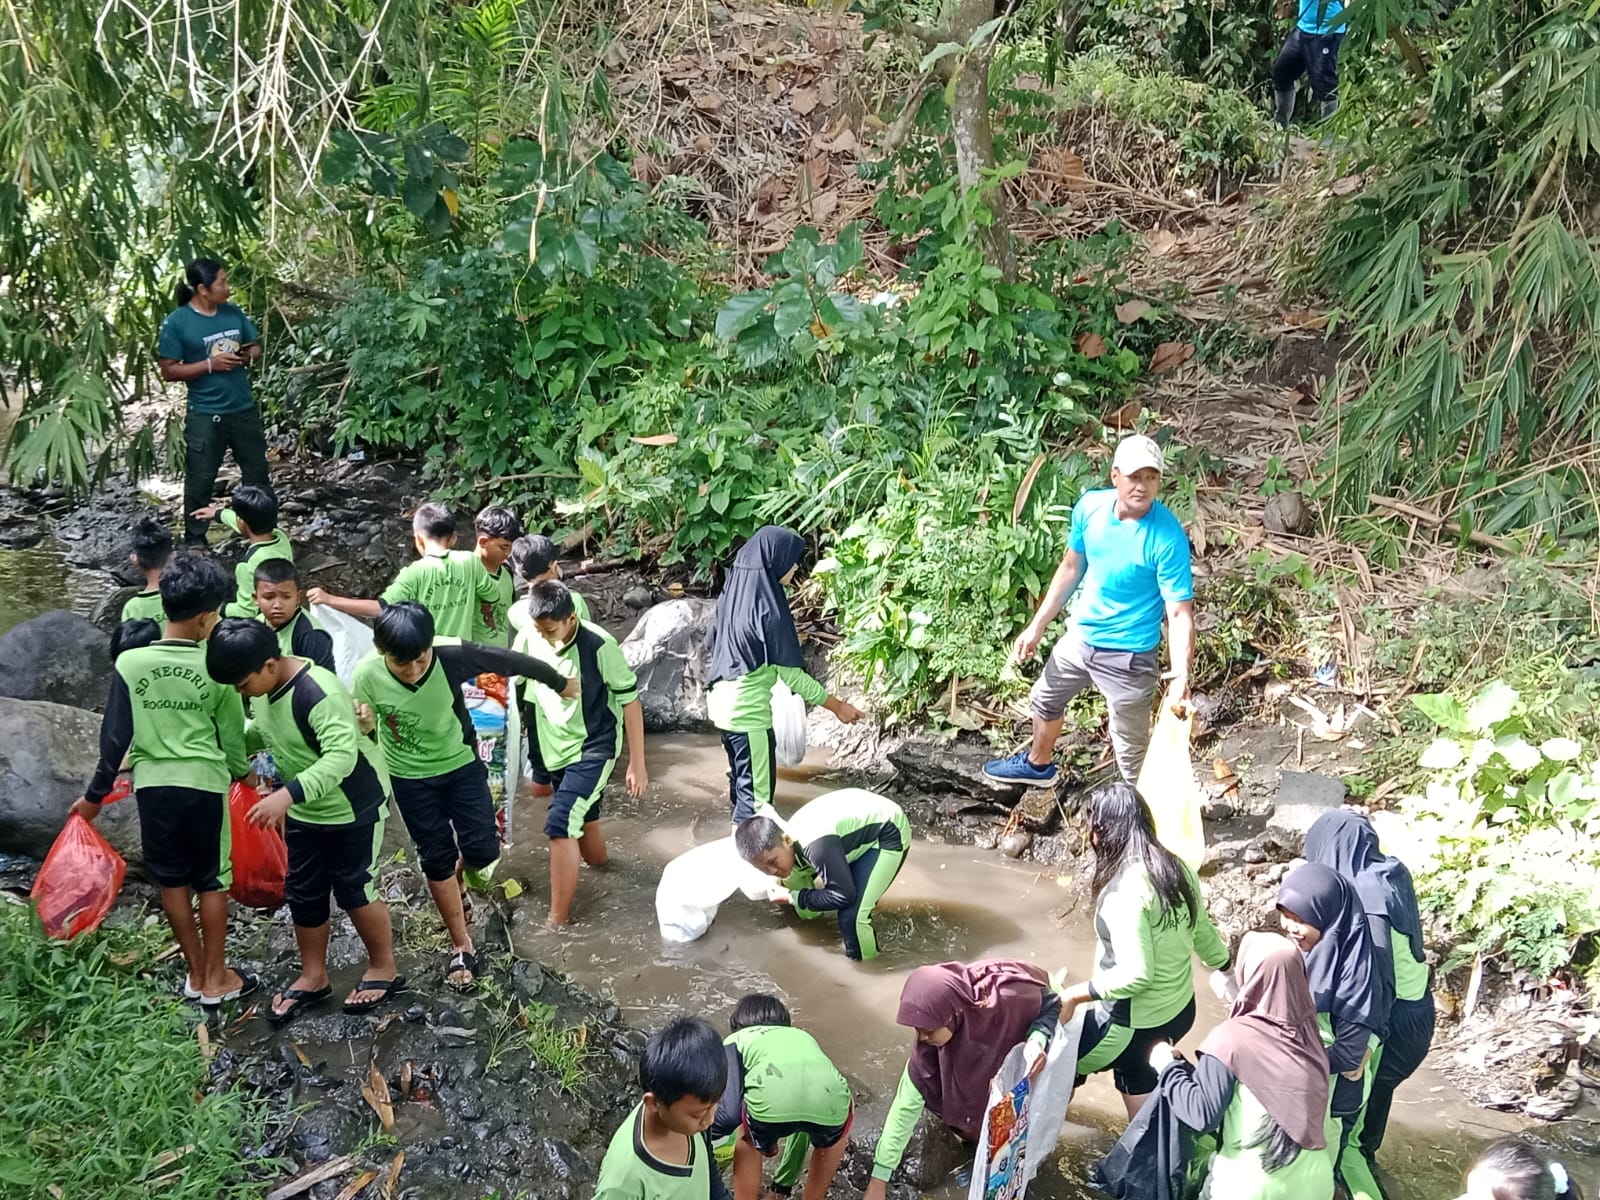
{"type": "Point", "coordinates": [188, 336]}
{"type": "Point", "coordinates": [450, 586]}
{"type": "Point", "coordinates": [335, 773]}
{"type": "Point", "coordinates": [424, 727]}
{"type": "Point", "coordinates": [177, 726]}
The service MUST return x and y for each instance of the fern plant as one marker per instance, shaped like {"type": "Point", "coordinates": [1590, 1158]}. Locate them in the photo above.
{"type": "Point", "coordinates": [1473, 275]}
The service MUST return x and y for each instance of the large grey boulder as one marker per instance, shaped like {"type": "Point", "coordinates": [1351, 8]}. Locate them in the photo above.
{"type": "Point", "coordinates": [47, 753]}
{"type": "Point", "coordinates": [58, 656]}
{"type": "Point", "coordinates": [1303, 796]}
{"type": "Point", "coordinates": [667, 651]}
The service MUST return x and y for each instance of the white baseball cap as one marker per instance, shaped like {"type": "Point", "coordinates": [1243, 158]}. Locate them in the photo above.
{"type": "Point", "coordinates": [1135, 453]}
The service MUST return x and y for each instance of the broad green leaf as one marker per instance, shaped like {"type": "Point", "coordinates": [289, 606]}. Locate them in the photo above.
{"type": "Point", "coordinates": [1560, 749]}
{"type": "Point", "coordinates": [1518, 752]}
{"type": "Point", "coordinates": [740, 312]}
{"type": "Point", "coordinates": [1442, 754]}
{"type": "Point", "coordinates": [1495, 703]}
{"type": "Point", "coordinates": [1443, 710]}
{"type": "Point", "coordinates": [938, 54]}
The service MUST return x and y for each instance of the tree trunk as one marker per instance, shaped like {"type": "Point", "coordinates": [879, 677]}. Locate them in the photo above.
{"type": "Point", "coordinates": [974, 137]}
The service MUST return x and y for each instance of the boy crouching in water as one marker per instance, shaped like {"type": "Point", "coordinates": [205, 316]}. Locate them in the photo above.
{"type": "Point", "coordinates": [661, 1150]}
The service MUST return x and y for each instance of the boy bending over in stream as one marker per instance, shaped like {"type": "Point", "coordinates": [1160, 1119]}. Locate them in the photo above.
{"type": "Point", "coordinates": [781, 1085]}
{"type": "Point", "coordinates": [578, 736]}
{"type": "Point", "coordinates": [331, 807]}
{"type": "Point", "coordinates": [412, 682]}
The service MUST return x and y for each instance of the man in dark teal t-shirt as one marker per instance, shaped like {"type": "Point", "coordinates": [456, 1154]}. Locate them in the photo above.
{"type": "Point", "coordinates": [209, 344]}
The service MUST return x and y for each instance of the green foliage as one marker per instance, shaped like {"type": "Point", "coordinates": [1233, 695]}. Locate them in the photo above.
{"type": "Point", "coordinates": [933, 584]}
{"type": "Point", "coordinates": [1473, 278]}
{"type": "Point", "coordinates": [104, 1078]}
{"type": "Point", "coordinates": [1507, 830]}
{"type": "Point", "coordinates": [532, 1029]}
{"type": "Point", "coordinates": [1217, 129]}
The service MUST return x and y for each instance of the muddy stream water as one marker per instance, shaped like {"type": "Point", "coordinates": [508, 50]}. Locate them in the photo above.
{"type": "Point", "coordinates": [950, 902]}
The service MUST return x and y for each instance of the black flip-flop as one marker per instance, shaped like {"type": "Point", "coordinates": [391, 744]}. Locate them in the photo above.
{"type": "Point", "coordinates": [248, 983]}
{"type": "Point", "coordinates": [387, 986]}
{"type": "Point", "coordinates": [298, 998]}
{"type": "Point", "coordinates": [462, 960]}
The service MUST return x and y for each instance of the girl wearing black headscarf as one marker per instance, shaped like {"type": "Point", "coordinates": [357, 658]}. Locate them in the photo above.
{"type": "Point", "coordinates": [1353, 990]}
{"type": "Point", "coordinates": [752, 645]}
{"type": "Point", "coordinates": [1346, 842]}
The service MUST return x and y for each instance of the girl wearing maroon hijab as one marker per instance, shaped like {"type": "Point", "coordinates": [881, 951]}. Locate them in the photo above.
{"type": "Point", "coordinates": [1261, 1081]}
{"type": "Point", "coordinates": [967, 1018]}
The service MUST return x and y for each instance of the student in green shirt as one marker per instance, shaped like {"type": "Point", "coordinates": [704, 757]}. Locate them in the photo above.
{"type": "Point", "coordinates": [449, 583]}
{"type": "Point", "coordinates": [752, 644]}
{"type": "Point", "coordinates": [152, 547]}
{"type": "Point", "coordinates": [1346, 843]}
{"type": "Point", "coordinates": [412, 682]}
{"type": "Point", "coordinates": [578, 740]}
{"type": "Point", "coordinates": [840, 854]}
{"type": "Point", "coordinates": [661, 1150]}
{"type": "Point", "coordinates": [279, 600]}
{"type": "Point", "coordinates": [209, 345]}
{"type": "Point", "coordinates": [183, 734]}
{"type": "Point", "coordinates": [752, 1010]}
{"type": "Point", "coordinates": [967, 1018]}
{"type": "Point", "coordinates": [331, 807]}
{"type": "Point", "coordinates": [1150, 919]}
{"type": "Point", "coordinates": [1260, 1082]}
{"type": "Point", "coordinates": [253, 513]}
{"type": "Point", "coordinates": [497, 530]}
{"type": "Point", "coordinates": [781, 1085]}
{"type": "Point", "coordinates": [533, 560]}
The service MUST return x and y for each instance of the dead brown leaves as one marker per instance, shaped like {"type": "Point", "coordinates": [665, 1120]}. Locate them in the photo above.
{"type": "Point", "coordinates": [1169, 356]}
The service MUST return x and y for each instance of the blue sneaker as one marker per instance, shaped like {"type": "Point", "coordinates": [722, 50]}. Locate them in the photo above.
{"type": "Point", "coordinates": [1017, 769]}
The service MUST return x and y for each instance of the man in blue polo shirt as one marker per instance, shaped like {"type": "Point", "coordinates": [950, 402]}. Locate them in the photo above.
{"type": "Point", "coordinates": [1132, 557]}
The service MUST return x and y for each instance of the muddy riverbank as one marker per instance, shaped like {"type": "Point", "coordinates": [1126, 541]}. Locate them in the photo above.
{"type": "Point", "coordinates": [476, 1110]}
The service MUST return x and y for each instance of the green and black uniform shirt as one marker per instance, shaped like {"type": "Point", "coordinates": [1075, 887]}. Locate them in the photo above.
{"type": "Point", "coordinates": [450, 586]}
{"type": "Point", "coordinates": [302, 637]}
{"type": "Point", "coordinates": [424, 727]}
{"type": "Point", "coordinates": [335, 773]}
{"type": "Point", "coordinates": [589, 727]}
{"type": "Point", "coordinates": [744, 705]}
{"type": "Point", "coordinates": [188, 336]}
{"type": "Point", "coordinates": [1143, 971]}
{"type": "Point", "coordinates": [244, 573]}
{"type": "Point", "coordinates": [176, 726]}
{"type": "Point", "coordinates": [830, 833]}
{"type": "Point", "coordinates": [526, 638]}
{"type": "Point", "coordinates": [630, 1172]}
{"type": "Point", "coordinates": [144, 606]}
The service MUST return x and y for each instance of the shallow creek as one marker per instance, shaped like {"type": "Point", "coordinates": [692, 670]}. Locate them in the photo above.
{"type": "Point", "coordinates": [950, 902]}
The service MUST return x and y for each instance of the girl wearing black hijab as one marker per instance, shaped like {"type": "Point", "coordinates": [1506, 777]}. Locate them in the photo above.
{"type": "Point", "coordinates": [1346, 842]}
{"type": "Point", "coordinates": [752, 645]}
{"type": "Point", "coordinates": [1352, 989]}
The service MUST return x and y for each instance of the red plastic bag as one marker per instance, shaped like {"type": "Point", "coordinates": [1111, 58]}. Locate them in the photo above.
{"type": "Point", "coordinates": [120, 790]}
{"type": "Point", "coordinates": [260, 858]}
{"type": "Point", "coordinates": [79, 881]}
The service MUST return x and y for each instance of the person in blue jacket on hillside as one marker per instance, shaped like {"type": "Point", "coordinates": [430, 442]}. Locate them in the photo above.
{"type": "Point", "coordinates": [1311, 49]}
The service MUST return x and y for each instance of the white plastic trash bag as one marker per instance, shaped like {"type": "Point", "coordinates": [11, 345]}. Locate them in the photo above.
{"type": "Point", "coordinates": [694, 885]}
{"type": "Point", "coordinates": [352, 639]}
{"type": "Point", "coordinates": [1023, 1120]}
{"type": "Point", "coordinates": [788, 725]}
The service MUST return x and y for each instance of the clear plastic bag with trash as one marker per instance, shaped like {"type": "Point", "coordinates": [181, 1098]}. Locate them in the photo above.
{"type": "Point", "coordinates": [788, 725]}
